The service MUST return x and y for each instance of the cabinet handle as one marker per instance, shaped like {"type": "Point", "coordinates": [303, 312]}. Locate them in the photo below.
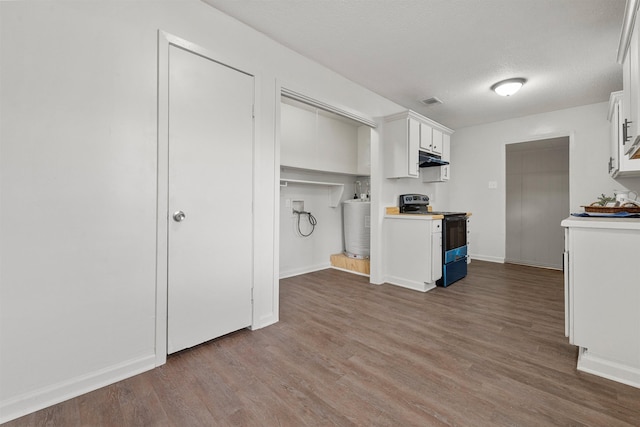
{"type": "Point", "coordinates": [610, 164]}
{"type": "Point", "coordinates": [625, 128]}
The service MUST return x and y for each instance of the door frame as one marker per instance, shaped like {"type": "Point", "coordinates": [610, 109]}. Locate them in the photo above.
{"type": "Point", "coordinates": [165, 41]}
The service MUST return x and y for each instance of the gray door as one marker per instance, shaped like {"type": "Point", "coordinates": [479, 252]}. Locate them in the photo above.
{"type": "Point", "coordinates": [537, 200]}
{"type": "Point", "coordinates": [210, 199]}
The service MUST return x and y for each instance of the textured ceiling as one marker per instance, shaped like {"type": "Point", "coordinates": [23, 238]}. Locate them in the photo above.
{"type": "Point", "coordinates": [410, 50]}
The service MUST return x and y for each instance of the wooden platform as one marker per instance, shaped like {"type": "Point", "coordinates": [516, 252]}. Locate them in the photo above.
{"type": "Point", "coordinates": [356, 265]}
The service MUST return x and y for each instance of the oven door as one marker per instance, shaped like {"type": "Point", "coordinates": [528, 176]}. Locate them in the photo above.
{"type": "Point", "coordinates": [455, 232]}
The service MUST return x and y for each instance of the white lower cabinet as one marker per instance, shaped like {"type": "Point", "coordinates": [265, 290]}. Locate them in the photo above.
{"type": "Point", "coordinates": [602, 296]}
{"type": "Point", "coordinates": [414, 256]}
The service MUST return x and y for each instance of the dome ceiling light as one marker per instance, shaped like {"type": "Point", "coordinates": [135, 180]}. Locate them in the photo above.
{"type": "Point", "coordinates": [508, 87]}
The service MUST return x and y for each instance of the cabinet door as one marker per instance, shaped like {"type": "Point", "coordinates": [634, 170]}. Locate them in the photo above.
{"type": "Point", "coordinates": [620, 164]}
{"type": "Point", "coordinates": [436, 250]}
{"type": "Point", "coordinates": [605, 297]}
{"type": "Point", "coordinates": [435, 174]}
{"type": "Point", "coordinates": [446, 147]}
{"type": "Point", "coordinates": [425, 137]}
{"type": "Point", "coordinates": [336, 147]}
{"type": "Point", "coordinates": [634, 80]}
{"type": "Point", "coordinates": [436, 143]}
{"type": "Point", "coordinates": [615, 138]}
{"type": "Point", "coordinates": [413, 148]}
{"type": "Point", "coordinates": [364, 151]}
{"type": "Point", "coordinates": [445, 172]}
{"type": "Point", "coordinates": [298, 139]}
{"type": "Point", "coordinates": [630, 81]}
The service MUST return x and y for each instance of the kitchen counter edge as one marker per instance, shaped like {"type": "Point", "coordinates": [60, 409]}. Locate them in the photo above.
{"type": "Point", "coordinates": [599, 222]}
{"type": "Point", "coordinates": [420, 217]}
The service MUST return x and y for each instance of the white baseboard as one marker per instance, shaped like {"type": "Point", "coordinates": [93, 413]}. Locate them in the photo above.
{"type": "Point", "coordinates": [304, 270]}
{"type": "Point", "coordinates": [533, 264]}
{"type": "Point", "coordinates": [409, 284]}
{"type": "Point", "coordinates": [44, 397]}
{"type": "Point", "coordinates": [264, 322]}
{"type": "Point", "coordinates": [614, 371]}
{"type": "Point", "coordinates": [499, 260]}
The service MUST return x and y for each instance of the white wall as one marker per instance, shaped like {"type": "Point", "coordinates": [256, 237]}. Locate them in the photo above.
{"type": "Point", "coordinates": [478, 155]}
{"type": "Point", "coordinates": [78, 166]}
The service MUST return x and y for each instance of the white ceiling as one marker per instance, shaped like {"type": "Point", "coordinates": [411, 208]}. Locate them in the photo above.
{"type": "Point", "coordinates": [410, 50]}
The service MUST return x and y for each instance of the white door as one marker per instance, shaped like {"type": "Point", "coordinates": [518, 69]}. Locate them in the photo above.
{"type": "Point", "coordinates": [211, 183]}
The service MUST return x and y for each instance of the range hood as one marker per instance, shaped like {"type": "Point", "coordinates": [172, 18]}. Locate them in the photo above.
{"type": "Point", "coordinates": [427, 160]}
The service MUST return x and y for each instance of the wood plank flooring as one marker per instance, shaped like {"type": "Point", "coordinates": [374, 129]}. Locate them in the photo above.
{"type": "Point", "coordinates": [487, 351]}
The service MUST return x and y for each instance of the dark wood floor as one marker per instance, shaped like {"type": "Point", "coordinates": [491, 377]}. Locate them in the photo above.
{"type": "Point", "coordinates": [487, 351]}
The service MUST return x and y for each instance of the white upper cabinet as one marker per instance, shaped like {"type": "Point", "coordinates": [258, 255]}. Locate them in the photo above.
{"type": "Point", "coordinates": [615, 139]}
{"type": "Point", "coordinates": [402, 145]}
{"type": "Point", "coordinates": [439, 173]}
{"type": "Point", "coordinates": [629, 56]}
{"type": "Point", "coordinates": [298, 138]}
{"type": "Point", "coordinates": [314, 139]}
{"type": "Point", "coordinates": [405, 135]}
{"type": "Point", "coordinates": [426, 137]}
{"type": "Point", "coordinates": [436, 142]}
{"type": "Point", "coordinates": [430, 139]}
{"type": "Point", "coordinates": [620, 164]}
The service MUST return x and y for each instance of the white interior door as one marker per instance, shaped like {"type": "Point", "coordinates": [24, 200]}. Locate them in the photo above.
{"type": "Point", "coordinates": [211, 182]}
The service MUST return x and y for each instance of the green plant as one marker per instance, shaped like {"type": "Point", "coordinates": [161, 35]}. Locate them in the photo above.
{"type": "Point", "coordinates": [603, 200]}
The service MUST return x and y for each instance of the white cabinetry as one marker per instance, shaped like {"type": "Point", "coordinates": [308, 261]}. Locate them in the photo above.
{"type": "Point", "coordinates": [602, 296]}
{"type": "Point", "coordinates": [629, 57]}
{"type": "Point", "coordinates": [405, 135]}
{"type": "Point", "coordinates": [402, 142]}
{"type": "Point", "coordinates": [414, 257]}
{"type": "Point", "coordinates": [430, 139]}
{"type": "Point", "coordinates": [620, 164]}
{"type": "Point", "coordinates": [468, 238]}
{"type": "Point", "coordinates": [436, 144]}
{"type": "Point", "coordinates": [314, 139]}
{"type": "Point", "coordinates": [439, 173]}
{"type": "Point", "coordinates": [615, 138]}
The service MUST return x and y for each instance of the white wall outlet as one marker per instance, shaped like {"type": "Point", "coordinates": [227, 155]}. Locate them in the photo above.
{"type": "Point", "coordinates": [493, 185]}
{"type": "Point", "coordinates": [287, 203]}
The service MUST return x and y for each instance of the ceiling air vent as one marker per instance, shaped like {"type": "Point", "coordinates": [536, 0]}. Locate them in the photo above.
{"type": "Point", "coordinates": [431, 101]}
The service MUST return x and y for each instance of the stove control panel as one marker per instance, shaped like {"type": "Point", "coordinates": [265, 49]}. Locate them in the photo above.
{"type": "Point", "coordinates": [414, 199]}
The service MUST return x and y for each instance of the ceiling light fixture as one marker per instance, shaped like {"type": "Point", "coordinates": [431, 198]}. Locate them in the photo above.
{"type": "Point", "coordinates": [508, 87]}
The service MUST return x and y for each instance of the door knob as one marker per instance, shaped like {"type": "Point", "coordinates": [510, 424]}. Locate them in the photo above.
{"type": "Point", "coordinates": [179, 216]}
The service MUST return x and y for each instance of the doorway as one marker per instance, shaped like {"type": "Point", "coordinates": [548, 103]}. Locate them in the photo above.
{"type": "Point", "coordinates": [537, 200]}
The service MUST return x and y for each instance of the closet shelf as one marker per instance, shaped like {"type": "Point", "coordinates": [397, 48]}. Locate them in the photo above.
{"type": "Point", "coordinates": [335, 189]}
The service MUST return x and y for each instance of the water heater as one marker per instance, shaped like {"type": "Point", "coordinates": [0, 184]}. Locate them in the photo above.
{"type": "Point", "coordinates": [357, 226]}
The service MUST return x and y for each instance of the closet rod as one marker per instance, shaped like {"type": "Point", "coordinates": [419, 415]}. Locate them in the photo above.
{"type": "Point", "coordinates": [327, 107]}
